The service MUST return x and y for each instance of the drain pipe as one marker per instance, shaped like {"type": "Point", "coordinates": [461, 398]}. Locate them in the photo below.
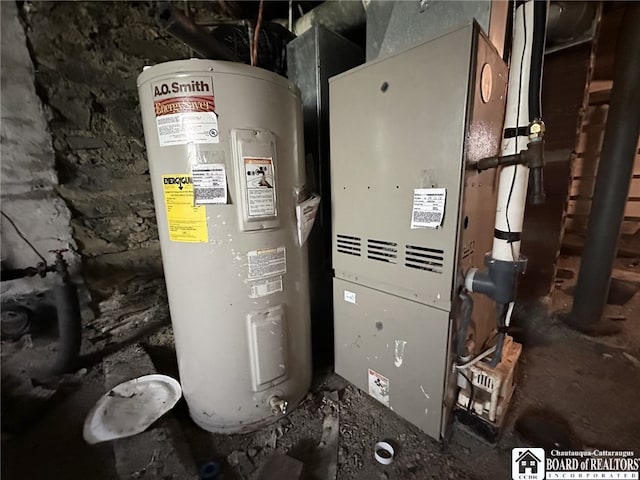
{"type": "Point", "coordinates": [522, 153]}
{"type": "Point", "coordinates": [180, 26]}
{"type": "Point", "coordinates": [69, 320]}
{"type": "Point", "coordinates": [68, 313]}
{"type": "Point", "coordinates": [613, 180]}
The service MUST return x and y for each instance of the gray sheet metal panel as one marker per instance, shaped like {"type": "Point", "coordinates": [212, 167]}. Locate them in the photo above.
{"type": "Point", "coordinates": [376, 321]}
{"type": "Point", "coordinates": [313, 58]}
{"type": "Point", "coordinates": [393, 26]}
{"type": "Point", "coordinates": [384, 147]}
{"type": "Point", "coordinates": [386, 144]}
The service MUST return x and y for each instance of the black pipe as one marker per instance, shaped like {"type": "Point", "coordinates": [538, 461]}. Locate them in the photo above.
{"type": "Point", "coordinates": [16, 273]}
{"type": "Point", "coordinates": [41, 269]}
{"type": "Point", "coordinates": [466, 310]}
{"type": "Point", "coordinates": [614, 177]}
{"type": "Point", "coordinates": [180, 26]}
{"type": "Point", "coordinates": [537, 57]}
{"type": "Point", "coordinates": [69, 321]}
{"type": "Point", "coordinates": [536, 167]}
{"type": "Point", "coordinates": [69, 328]}
{"type": "Point", "coordinates": [495, 162]}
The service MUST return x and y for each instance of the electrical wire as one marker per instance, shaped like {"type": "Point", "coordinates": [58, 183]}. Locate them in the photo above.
{"type": "Point", "coordinates": [473, 391]}
{"type": "Point", "coordinates": [256, 35]}
{"type": "Point", "coordinates": [465, 321]}
{"type": "Point", "coordinates": [476, 359]}
{"type": "Point", "coordinates": [515, 168]}
{"type": "Point", "coordinates": [22, 236]}
{"type": "Point", "coordinates": [501, 314]}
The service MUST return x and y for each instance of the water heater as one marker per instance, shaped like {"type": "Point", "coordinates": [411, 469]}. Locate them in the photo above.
{"type": "Point", "coordinates": [225, 149]}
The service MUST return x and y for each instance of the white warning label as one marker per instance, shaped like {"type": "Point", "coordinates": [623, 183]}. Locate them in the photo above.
{"type": "Point", "coordinates": [185, 111]}
{"type": "Point", "coordinates": [265, 287]}
{"type": "Point", "coordinates": [267, 263]}
{"type": "Point", "coordinates": [261, 187]}
{"type": "Point", "coordinates": [209, 183]}
{"type": "Point", "coordinates": [349, 296]}
{"type": "Point", "coordinates": [379, 387]}
{"type": "Point", "coordinates": [428, 207]}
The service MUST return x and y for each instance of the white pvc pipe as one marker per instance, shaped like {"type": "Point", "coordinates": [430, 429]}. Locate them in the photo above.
{"type": "Point", "coordinates": [512, 189]}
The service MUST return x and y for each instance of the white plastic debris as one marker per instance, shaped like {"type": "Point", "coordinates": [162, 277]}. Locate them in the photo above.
{"type": "Point", "coordinates": [131, 407]}
{"type": "Point", "coordinates": [383, 452]}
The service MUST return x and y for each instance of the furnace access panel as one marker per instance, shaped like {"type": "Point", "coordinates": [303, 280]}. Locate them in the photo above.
{"type": "Point", "coordinates": [410, 214]}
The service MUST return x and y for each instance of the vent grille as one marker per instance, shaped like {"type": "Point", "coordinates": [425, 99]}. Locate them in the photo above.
{"type": "Point", "coordinates": [382, 251]}
{"type": "Point", "coordinates": [484, 381]}
{"type": "Point", "coordinates": [423, 258]}
{"type": "Point", "coordinates": [349, 245]}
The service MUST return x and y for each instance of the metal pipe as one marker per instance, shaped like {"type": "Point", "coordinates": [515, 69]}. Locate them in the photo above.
{"type": "Point", "coordinates": [337, 15]}
{"type": "Point", "coordinates": [494, 162]}
{"type": "Point", "coordinates": [569, 20]}
{"type": "Point", "coordinates": [69, 328]}
{"type": "Point", "coordinates": [69, 320]}
{"type": "Point", "coordinates": [180, 26]}
{"type": "Point", "coordinates": [614, 177]}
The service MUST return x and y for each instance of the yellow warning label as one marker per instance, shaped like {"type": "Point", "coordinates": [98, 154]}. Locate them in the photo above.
{"type": "Point", "coordinates": [186, 222]}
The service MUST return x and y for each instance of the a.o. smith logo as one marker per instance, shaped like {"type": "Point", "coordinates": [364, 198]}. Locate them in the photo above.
{"type": "Point", "coordinates": [180, 181]}
{"type": "Point", "coordinates": [527, 464]}
{"type": "Point", "coordinates": [193, 86]}
{"type": "Point", "coordinates": [192, 95]}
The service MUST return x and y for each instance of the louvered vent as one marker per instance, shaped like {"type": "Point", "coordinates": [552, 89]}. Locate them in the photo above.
{"type": "Point", "coordinates": [382, 251]}
{"type": "Point", "coordinates": [424, 258]}
{"type": "Point", "coordinates": [484, 381]}
{"type": "Point", "coordinates": [349, 245]}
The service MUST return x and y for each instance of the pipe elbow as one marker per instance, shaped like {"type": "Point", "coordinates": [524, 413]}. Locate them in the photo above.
{"type": "Point", "coordinates": [480, 282]}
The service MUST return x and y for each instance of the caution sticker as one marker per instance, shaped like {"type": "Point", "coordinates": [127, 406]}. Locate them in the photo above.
{"type": "Point", "coordinates": [266, 263]}
{"type": "Point", "coordinates": [186, 222]}
{"type": "Point", "coordinates": [260, 187]}
{"type": "Point", "coordinates": [379, 387]}
{"type": "Point", "coordinates": [185, 111]}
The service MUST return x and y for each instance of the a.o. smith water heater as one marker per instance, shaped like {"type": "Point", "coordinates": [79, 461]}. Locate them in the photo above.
{"type": "Point", "coordinates": [225, 148]}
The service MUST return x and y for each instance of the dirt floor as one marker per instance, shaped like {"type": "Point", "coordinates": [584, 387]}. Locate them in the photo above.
{"type": "Point", "coordinates": [573, 391]}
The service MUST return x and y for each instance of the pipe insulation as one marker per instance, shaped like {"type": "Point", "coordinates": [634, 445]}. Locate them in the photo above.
{"type": "Point", "coordinates": [337, 15]}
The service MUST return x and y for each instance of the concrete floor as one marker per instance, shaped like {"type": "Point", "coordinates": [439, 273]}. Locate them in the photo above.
{"type": "Point", "coordinates": [565, 378]}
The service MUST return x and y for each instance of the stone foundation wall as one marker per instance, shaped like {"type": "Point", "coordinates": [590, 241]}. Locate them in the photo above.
{"type": "Point", "coordinates": [87, 56]}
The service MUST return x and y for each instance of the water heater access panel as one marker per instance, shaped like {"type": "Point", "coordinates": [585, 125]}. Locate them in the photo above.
{"type": "Point", "coordinates": [413, 121]}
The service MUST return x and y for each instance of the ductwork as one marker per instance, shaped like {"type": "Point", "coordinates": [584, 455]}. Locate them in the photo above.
{"type": "Point", "coordinates": [180, 26]}
{"type": "Point", "coordinates": [338, 16]}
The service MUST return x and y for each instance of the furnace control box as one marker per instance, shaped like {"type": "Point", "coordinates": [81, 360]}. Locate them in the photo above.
{"type": "Point", "coordinates": [411, 214]}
